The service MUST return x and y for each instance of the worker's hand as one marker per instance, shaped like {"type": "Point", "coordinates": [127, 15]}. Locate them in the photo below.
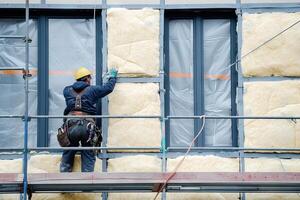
{"type": "Point", "coordinates": [113, 73]}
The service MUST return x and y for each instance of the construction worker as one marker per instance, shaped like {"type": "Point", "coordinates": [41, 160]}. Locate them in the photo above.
{"type": "Point", "coordinates": [81, 99]}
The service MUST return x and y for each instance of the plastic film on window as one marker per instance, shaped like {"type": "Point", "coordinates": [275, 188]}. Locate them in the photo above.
{"type": "Point", "coordinates": [217, 81]}
{"type": "Point", "coordinates": [181, 81]}
{"type": "Point", "coordinates": [12, 100]}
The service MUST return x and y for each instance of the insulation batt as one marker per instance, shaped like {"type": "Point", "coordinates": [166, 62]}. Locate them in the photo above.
{"type": "Point", "coordinates": [272, 165]}
{"type": "Point", "coordinates": [133, 41]}
{"type": "Point", "coordinates": [270, 99]}
{"type": "Point", "coordinates": [280, 57]}
{"type": "Point", "coordinates": [46, 164]}
{"type": "Point", "coordinates": [140, 163]}
{"type": "Point", "coordinates": [10, 166]}
{"type": "Point", "coordinates": [204, 164]}
{"type": "Point", "coordinates": [50, 164]}
{"type": "Point", "coordinates": [134, 99]}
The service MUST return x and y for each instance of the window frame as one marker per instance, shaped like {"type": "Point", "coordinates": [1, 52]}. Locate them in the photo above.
{"type": "Point", "coordinates": [198, 16]}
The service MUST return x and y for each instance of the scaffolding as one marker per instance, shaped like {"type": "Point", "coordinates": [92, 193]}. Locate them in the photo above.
{"type": "Point", "coordinates": [239, 182]}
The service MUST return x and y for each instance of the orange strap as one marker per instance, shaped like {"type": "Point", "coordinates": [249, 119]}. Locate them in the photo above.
{"type": "Point", "coordinates": [223, 77]}
{"type": "Point", "coordinates": [180, 75]}
{"type": "Point", "coordinates": [34, 72]}
{"type": "Point", "coordinates": [207, 76]}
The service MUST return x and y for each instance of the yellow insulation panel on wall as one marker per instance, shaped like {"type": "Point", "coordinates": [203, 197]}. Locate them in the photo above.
{"type": "Point", "coordinates": [140, 163]}
{"type": "Point", "coordinates": [50, 164]}
{"type": "Point", "coordinates": [281, 98]}
{"type": "Point", "coordinates": [204, 164]}
{"type": "Point", "coordinates": [280, 57]}
{"type": "Point", "coordinates": [46, 163]}
{"type": "Point", "coordinates": [133, 41]}
{"type": "Point", "coordinates": [11, 166]}
{"type": "Point", "coordinates": [272, 165]}
{"type": "Point", "coordinates": [134, 99]}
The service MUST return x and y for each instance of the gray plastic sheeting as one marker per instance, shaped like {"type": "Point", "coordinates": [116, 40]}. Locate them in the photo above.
{"type": "Point", "coordinates": [217, 84]}
{"type": "Point", "coordinates": [181, 81]}
{"type": "Point", "coordinates": [12, 84]}
{"type": "Point", "coordinates": [71, 45]}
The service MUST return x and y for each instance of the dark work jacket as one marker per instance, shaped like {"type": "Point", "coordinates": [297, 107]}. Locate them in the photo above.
{"type": "Point", "coordinates": [89, 97]}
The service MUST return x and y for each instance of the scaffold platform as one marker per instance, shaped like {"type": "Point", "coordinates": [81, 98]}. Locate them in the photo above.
{"type": "Point", "coordinates": [250, 182]}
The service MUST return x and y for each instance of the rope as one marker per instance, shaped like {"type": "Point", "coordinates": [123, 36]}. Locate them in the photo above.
{"type": "Point", "coordinates": [264, 43]}
{"type": "Point", "coordinates": [181, 161]}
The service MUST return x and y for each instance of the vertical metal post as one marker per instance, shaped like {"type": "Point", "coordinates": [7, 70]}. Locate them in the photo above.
{"type": "Point", "coordinates": [104, 100]}
{"type": "Point", "coordinates": [162, 89]}
{"type": "Point", "coordinates": [234, 81]}
{"type": "Point", "coordinates": [198, 73]}
{"type": "Point", "coordinates": [43, 82]}
{"type": "Point", "coordinates": [25, 150]}
{"type": "Point", "coordinates": [240, 91]}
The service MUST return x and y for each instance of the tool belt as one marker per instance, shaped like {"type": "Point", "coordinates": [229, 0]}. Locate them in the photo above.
{"type": "Point", "coordinates": [94, 133]}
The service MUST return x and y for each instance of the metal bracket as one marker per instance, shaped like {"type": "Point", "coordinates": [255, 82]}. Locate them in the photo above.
{"type": "Point", "coordinates": [26, 74]}
{"type": "Point", "coordinates": [238, 12]}
{"type": "Point", "coordinates": [161, 91]}
{"type": "Point", "coordinates": [28, 118]}
{"type": "Point", "coordinates": [29, 40]}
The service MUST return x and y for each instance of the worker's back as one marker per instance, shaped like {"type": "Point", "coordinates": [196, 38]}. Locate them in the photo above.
{"type": "Point", "coordinates": [89, 96]}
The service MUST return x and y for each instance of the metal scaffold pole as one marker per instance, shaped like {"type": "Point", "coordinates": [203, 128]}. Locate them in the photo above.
{"type": "Point", "coordinates": [25, 150]}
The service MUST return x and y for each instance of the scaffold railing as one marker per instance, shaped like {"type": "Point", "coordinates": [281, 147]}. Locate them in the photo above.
{"type": "Point", "coordinates": [24, 183]}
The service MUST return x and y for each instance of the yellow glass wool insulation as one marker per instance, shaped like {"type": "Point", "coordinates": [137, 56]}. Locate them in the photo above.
{"type": "Point", "coordinates": [280, 57]}
{"type": "Point", "coordinates": [140, 163]}
{"type": "Point", "coordinates": [280, 98]}
{"type": "Point", "coordinates": [46, 164]}
{"type": "Point", "coordinates": [272, 165]}
{"type": "Point", "coordinates": [134, 99]}
{"type": "Point", "coordinates": [133, 41]}
{"type": "Point", "coordinates": [11, 166]}
{"type": "Point", "coordinates": [50, 164]}
{"type": "Point", "coordinates": [204, 164]}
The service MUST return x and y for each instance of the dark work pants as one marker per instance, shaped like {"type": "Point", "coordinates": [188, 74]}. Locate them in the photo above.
{"type": "Point", "coordinates": [78, 133]}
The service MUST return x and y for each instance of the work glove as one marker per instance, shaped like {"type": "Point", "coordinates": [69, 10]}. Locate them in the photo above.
{"type": "Point", "coordinates": [113, 72]}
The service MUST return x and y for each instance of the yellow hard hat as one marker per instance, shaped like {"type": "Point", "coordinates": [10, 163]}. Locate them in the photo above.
{"type": "Point", "coordinates": [82, 72]}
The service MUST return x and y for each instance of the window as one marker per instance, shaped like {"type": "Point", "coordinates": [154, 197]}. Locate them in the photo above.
{"type": "Point", "coordinates": [62, 41]}
{"type": "Point", "coordinates": [12, 83]}
{"type": "Point", "coordinates": [199, 49]}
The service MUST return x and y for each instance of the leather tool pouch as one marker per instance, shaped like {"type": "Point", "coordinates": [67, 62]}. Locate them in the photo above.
{"type": "Point", "coordinates": [62, 136]}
